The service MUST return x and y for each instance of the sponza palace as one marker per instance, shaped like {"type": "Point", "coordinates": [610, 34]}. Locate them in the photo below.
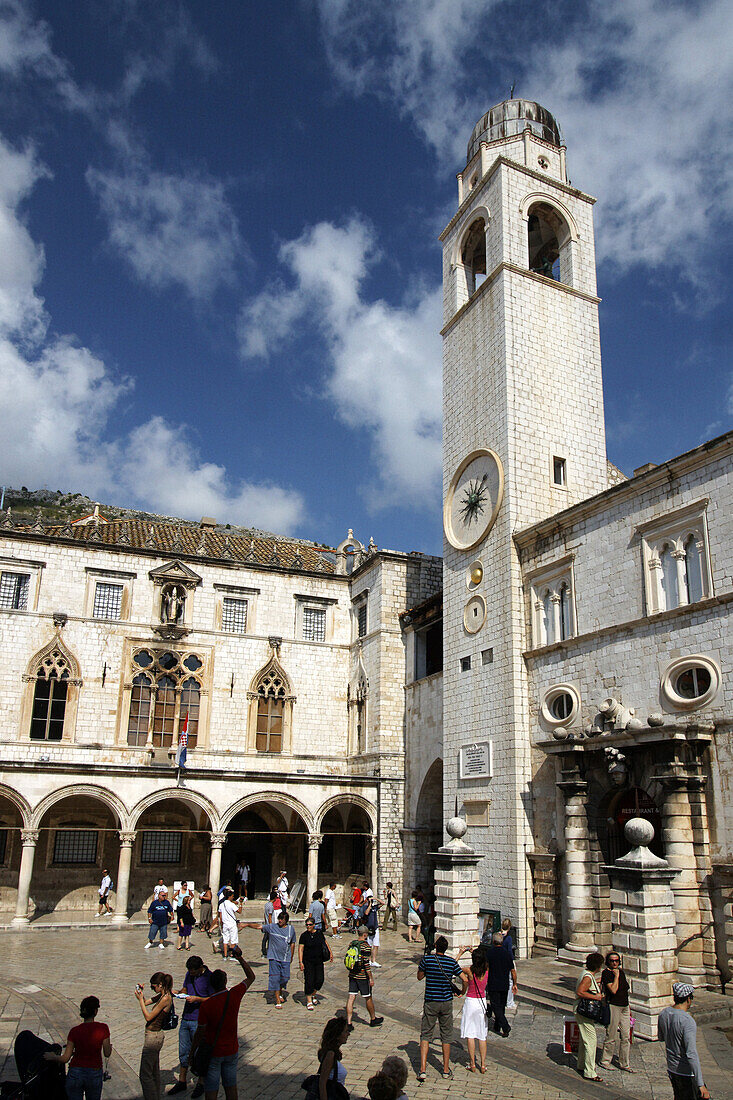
{"type": "Point", "coordinates": [566, 667]}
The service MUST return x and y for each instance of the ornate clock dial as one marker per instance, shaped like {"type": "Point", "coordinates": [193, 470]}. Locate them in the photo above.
{"type": "Point", "coordinates": [473, 499]}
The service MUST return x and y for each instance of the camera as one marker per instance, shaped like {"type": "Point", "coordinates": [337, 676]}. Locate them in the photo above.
{"type": "Point", "coordinates": [106, 1076]}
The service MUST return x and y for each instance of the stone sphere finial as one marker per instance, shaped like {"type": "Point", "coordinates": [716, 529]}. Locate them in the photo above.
{"type": "Point", "coordinates": [639, 832]}
{"type": "Point", "coordinates": [456, 828]}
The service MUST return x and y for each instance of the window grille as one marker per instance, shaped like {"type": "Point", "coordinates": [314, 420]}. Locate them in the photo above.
{"type": "Point", "coordinates": [75, 846]}
{"type": "Point", "coordinates": [14, 591]}
{"type": "Point", "coordinates": [107, 601]}
{"type": "Point", "coordinates": [161, 847]}
{"type": "Point", "coordinates": [314, 624]}
{"type": "Point", "coordinates": [234, 615]}
{"type": "Point", "coordinates": [361, 619]}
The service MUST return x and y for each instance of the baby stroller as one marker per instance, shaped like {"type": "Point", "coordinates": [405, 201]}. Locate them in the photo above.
{"type": "Point", "coordinates": [39, 1080]}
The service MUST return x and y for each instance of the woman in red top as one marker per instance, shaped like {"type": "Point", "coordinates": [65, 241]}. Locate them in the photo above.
{"type": "Point", "coordinates": [84, 1048]}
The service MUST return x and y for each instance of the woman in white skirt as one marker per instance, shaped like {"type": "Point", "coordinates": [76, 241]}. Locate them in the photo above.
{"type": "Point", "coordinates": [474, 1024]}
{"type": "Point", "coordinates": [413, 918]}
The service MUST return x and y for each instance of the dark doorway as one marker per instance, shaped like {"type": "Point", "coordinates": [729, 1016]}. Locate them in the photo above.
{"type": "Point", "coordinates": [622, 806]}
{"type": "Point", "coordinates": [249, 839]}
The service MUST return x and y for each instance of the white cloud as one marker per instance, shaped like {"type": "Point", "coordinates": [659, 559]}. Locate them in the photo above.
{"type": "Point", "coordinates": [58, 401]}
{"type": "Point", "coordinates": [385, 361]}
{"type": "Point", "coordinates": [640, 88]}
{"type": "Point", "coordinates": [171, 229]}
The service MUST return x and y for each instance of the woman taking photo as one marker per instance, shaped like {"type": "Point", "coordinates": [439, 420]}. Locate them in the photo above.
{"type": "Point", "coordinates": [155, 1010]}
{"type": "Point", "coordinates": [588, 989]}
{"type": "Point", "coordinates": [85, 1045]}
{"type": "Point", "coordinates": [474, 1024]}
{"type": "Point", "coordinates": [335, 1034]}
{"type": "Point", "coordinates": [312, 952]}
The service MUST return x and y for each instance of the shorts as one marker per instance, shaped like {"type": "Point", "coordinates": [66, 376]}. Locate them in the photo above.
{"type": "Point", "coordinates": [224, 1067]}
{"type": "Point", "coordinates": [229, 934]}
{"type": "Point", "coordinates": [373, 938]}
{"type": "Point", "coordinates": [359, 985]}
{"type": "Point", "coordinates": [437, 1012]}
{"type": "Point", "coordinates": [279, 974]}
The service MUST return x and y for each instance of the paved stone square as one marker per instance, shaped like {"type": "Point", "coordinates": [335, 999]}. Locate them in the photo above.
{"type": "Point", "coordinates": [48, 972]}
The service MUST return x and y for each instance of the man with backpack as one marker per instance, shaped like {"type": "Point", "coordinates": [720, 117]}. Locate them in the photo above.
{"type": "Point", "coordinates": [358, 963]}
{"type": "Point", "coordinates": [370, 917]}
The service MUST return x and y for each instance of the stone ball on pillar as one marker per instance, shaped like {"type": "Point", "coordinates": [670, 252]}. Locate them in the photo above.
{"type": "Point", "coordinates": [456, 828]}
{"type": "Point", "coordinates": [639, 832]}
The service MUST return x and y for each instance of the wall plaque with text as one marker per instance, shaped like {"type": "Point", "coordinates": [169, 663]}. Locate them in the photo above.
{"type": "Point", "coordinates": [475, 761]}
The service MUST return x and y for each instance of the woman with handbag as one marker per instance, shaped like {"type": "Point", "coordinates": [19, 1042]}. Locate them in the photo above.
{"type": "Point", "coordinates": [474, 1018]}
{"type": "Point", "coordinates": [313, 951]}
{"type": "Point", "coordinates": [156, 1011]}
{"type": "Point", "coordinates": [588, 1012]}
{"type": "Point", "coordinates": [205, 909]}
{"type": "Point", "coordinates": [328, 1083]}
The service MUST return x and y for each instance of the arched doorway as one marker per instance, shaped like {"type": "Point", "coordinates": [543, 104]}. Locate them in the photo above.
{"type": "Point", "coordinates": [77, 839]}
{"type": "Point", "coordinates": [345, 852]}
{"type": "Point", "coordinates": [172, 843]}
{"type": "Point", "coordinates": [620, 807]}
{"type": "Point", "coordinates": [428, 824]}
{"type": "Point", "coordinates": [11, 823]}
{"type": "Point", "coordinates": [270, 837]}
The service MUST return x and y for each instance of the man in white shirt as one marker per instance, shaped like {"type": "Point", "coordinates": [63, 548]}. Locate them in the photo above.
{"type": "Point", "coordinates": [104, 889]}
{"type": "Point", "coordinates": [159, 889]}
{"type": "Point", "coordinates": [331, 907]}
{"type": "Point", "coordinates": [282, 888]}
{"type": "Point", "coordinates": [228, 917]}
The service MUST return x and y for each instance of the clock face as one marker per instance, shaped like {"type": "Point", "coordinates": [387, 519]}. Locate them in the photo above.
{"type": "Point", "coordinates": [473, 499]}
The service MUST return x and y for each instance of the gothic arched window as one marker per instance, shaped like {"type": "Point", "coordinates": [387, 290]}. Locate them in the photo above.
{"type": "Point", "coordinates": [271, 708]}
{"type": "Point", "coordinates": [163, 695]}
{"type": "Point", "coordinates": [54, 676]}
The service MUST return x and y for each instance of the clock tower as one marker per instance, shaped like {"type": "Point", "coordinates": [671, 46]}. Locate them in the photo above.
{"type": "Point", "coordinates": [523, 438]}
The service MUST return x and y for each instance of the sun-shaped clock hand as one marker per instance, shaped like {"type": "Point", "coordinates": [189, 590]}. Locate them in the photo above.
{"type": "Point", "coordinates": [474, 499]}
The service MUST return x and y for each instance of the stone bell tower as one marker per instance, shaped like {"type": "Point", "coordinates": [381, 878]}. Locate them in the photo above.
{"type": "Point", "coordinates": [523, 438]}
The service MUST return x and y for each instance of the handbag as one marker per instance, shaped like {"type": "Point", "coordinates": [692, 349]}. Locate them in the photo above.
{"type": "Point", "coordinates": [334, 1089]}
{"type": "Point", "coordinates": [325, 953]}
{"type": "Point", "coordinates": [597, 1011]}
{"type": "Point", "coordinates": [488, 1010]}
{"type": "Point", "coordinates": [204, 1052]}
{"type": "Point", "coordinates": [171, 1022]}
{"type": "Point", "coordinates": [455, 983]}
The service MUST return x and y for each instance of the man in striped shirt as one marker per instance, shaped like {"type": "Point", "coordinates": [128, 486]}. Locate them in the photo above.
{"type": "Point", "coordinates": [437, 971]}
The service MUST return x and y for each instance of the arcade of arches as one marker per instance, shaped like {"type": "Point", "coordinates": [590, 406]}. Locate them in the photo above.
{"type": "Point", "coordinates": [52, 858]}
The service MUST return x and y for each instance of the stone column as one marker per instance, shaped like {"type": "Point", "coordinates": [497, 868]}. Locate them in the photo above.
{"type": "Point", "coordinates": [28, 840]}
{"type": "Point", "coordinates": [314, 845]}
{"type": "Point", "coordinates": [545, 889]}
{"type": "Point", "coordinates": [373, 857]}
{"type": "Point", "coordinates": [456, 888]}
{"type": "Point", "coordinates": [644, 925]}
{"type": "Point", "coordinates": [218, 840]}
{"type": "Point", "coordinates": [679, 848]}
{"type": "Point", "coordinates": [579, 907]}
{"type": "Point", "coordinates": [123, 878]}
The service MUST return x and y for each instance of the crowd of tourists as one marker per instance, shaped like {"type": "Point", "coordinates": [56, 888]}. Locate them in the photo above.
{"type": "Point", "coordinates": [208, 1044]}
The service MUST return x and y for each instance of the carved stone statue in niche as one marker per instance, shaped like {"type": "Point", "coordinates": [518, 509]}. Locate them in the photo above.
{"type": "Point", "coordinates": [172, 604]}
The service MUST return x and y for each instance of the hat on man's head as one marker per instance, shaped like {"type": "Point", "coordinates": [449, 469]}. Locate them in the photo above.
{"type": "Point", "coordinates": [682, 990]}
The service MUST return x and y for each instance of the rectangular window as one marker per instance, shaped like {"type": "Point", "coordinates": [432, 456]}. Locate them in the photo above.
{"type": "Point", "coordinates": [234, 615]}
{"type": "Point", "coordinates": [487, 656]}
{"type": "Point", "coordinates": [361, 619]}
{"type": "Point", "coordinates": [14, 591]}
{"type": "Point", "coordinates": [314, 624]}
{"type": "Point", "coordinates": [465, 664]}
{"type": "Point", "coordinates": [75, 846]}
{"type": "Point", "coordinates": [107, 601]}
{"type": "Point", "coordinates": [161, 847]}
{"type": "Point", "coordinates": [559, 471]}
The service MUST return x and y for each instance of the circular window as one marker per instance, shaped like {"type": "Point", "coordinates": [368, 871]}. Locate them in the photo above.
{"type": "Point", "coordinates": [561, 705]}
{"type": "Point", "coordinates": [690, 682]}
{"type": "Point", "coordinates": [474, 614]}
{"type": "Point", "coordinates": [474, 574]}
{"type": "Point", "coordinates": [543, 162]}
{"type": "Point", "coordinates": [143, 659]}
{"type": "Point", "coordinates": [168, 660]}
{"type": "Point", "coordinates": [192, 663]}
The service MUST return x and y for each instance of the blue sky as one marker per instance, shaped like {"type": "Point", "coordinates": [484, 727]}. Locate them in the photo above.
{"type": "Point", "coordinates": [219, 272]}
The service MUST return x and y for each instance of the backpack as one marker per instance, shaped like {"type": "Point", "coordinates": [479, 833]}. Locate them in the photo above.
{"type": "Point", "coordinates": [372, 919]}
{"type": "Point", "coordinates": [352, 957]}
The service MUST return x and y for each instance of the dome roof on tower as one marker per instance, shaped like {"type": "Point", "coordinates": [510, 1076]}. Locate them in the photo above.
{"type": "Point", "coordinates": [510, 118]}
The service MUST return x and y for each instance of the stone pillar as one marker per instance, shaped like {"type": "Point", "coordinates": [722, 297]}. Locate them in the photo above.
{"type": "Point", "coordinates": [123, 878]}
{"type": "Point", "coordinates": [372, 856]}
{"type": "Point", "coordinates": [644, 925]}
{"type": "Point", "coordinates": [314, 845]}
{"type": "Point", "coordinates": [218, 840]}
{"type": "Point", "coordinates": [579, 907]}
{"type": "Point", "coordinates": [456, 888]}
{"type": "Point", "coordinates": [679, 848]}
{"type": "Point", "coordinates": [546, 903]}
{"type": "Point", "coordinates": [28, 840]}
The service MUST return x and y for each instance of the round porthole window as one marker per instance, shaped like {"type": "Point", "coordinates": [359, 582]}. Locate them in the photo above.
{"type": "Point", "coordinates": [561, 705]}
{"type": "Point", "coordinates": [690, 682]}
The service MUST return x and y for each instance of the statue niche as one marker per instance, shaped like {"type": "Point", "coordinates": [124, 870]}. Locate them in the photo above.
{"type": "Point", "coordinates": [173, 604]}
{"type": "Point", "coordinates": [174, 586]}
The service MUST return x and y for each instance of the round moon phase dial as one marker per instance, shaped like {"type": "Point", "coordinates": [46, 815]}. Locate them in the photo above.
{"type": "Point", "coordinates": [473, 499]}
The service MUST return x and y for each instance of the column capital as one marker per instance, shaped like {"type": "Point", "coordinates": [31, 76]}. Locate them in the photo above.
{"type": "Point", "coordinates": [679, 780]}
{"type": "Point", "coordinates": [314, 841]}
{"type": "Point", "coordinates": [29, 837]}
{"type": "Point", "coordinates": [127, 839]}
{"type": "Point", "coordinates": [217, 840]}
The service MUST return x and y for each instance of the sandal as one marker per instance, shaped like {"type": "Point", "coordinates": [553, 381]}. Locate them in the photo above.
{"type": "Point", "coordinates": [471, 1069]}
{"type": "Point", "coordinates": [447, 1074]}
{"type": "Point", "coordinates": [310, 1006]}
{"type": "Point", "coordinates": [483, 1069]}
{"type": "Point", "coordinates": [421, 1076]}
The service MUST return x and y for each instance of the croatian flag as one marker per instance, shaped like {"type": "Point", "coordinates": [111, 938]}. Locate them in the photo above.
{"type": "Point", "coordinates": [182, 745]}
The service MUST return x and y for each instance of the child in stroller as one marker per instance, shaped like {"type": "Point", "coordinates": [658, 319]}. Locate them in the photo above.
{"type": "Point", "coordinates": [39, 1079]}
